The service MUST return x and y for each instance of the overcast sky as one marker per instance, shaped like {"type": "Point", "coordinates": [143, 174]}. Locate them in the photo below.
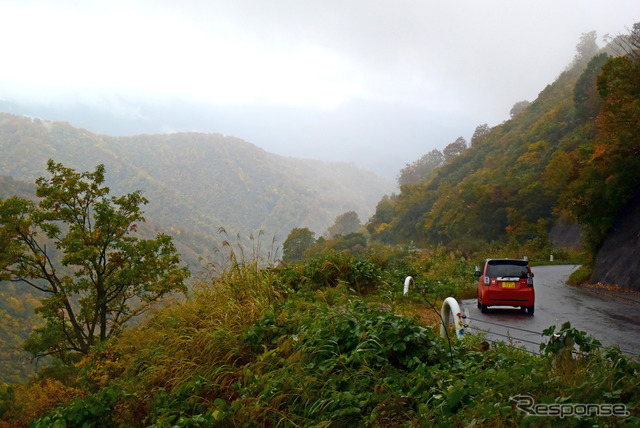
{"type": "Point", "coordinates": [378, 83]}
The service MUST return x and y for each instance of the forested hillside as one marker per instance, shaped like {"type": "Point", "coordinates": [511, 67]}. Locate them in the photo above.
{"type": "Point", "coordinates": [500, 187]}
{"type": "Point", "coordinates": [327, 337]}
{"type": "Point", "coordinates": [197, 183]}
{"type": "Point", "coordinates": [571, 157]}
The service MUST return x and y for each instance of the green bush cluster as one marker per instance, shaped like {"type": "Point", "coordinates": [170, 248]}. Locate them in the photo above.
{"type": "Point", "coordinates": [346, 364]}
{"type": "Point", "coordinates": [360, 273]}
{"type": "Point", "coordinates": [352, 363]}
{"type": "Point", "coordinates": [322, 353]}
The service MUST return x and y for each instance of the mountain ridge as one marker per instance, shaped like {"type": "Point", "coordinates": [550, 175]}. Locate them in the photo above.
{"type": "Point", "coordinates": [198, 182]}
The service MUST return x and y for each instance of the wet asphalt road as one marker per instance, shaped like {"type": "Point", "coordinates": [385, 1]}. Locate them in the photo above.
{"type": "Point", "coordinates": [610, 319]}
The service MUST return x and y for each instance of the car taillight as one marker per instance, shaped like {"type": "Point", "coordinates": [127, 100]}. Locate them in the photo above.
{"type": "Point", "coordinates": [486, 280]}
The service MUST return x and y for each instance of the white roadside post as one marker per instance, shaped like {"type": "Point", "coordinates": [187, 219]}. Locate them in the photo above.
{"type": "Point", "coordinates": [451, 306]}
{"type": "Point", "coordinates": [408, 281]}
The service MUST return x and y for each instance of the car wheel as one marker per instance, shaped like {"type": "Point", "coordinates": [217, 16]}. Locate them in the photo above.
{"type": "Point", "coordinates": [530, 310]}
{"type": "Point", "coordinates": [483, 309]}
{"type": "Point", "coordinates": [479, 304]}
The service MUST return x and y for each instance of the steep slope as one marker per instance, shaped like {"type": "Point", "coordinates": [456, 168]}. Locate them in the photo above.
{"type": "Point", "coordinates": [500, 187]}
{"type": "Point", "coordinates": [198, 182]}
{"type": "Point", "coordinates": [195, 184]}
{"type": "Point", "coordinates": [569, 162]}
{"type": "Point", "coordinates": [247, 187]}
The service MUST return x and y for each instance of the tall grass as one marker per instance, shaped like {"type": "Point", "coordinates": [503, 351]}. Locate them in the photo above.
{"type": "Point", "coordinates": [245, 272]}
{"type": "Point", "coordinates": [189, 354]}
{"type": "Point", "coordinates": [260, 345]}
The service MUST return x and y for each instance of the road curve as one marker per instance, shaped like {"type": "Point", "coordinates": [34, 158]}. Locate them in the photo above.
{"type": "Point", "coordinates": [613, 321]}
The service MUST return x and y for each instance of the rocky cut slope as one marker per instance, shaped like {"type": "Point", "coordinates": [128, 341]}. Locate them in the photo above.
{"type": "Point", "coordinates": [617, 260]}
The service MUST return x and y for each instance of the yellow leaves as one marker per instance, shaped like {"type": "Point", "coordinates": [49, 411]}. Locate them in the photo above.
{"type": "Point", "coordinates": [529, 158]}
{"type": "Point", "coordinates": [535, 154]}
{"type": "Point", "coordinates": [559, 170]}
{"type": "Point", "coordinates": [37, 399]}
{"type": "Point", "coordinates": [277, 401]}
{"type": "Point", "coordinates": [599, 151]}
{"type": "Point", "coordinates": [295, 358]}
{"type": "Point", "coordinates": [102, 366]}
{"type": "Point", "coordinates": [382, 227]}
{"type": "Point", "coordinates": [16, 306]}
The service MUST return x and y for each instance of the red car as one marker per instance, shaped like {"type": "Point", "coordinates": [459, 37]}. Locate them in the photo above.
{"type": "Point", "coordinates": [506, 282]}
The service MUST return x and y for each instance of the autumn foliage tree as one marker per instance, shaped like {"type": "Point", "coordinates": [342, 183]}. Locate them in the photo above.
{"type": "Point", "coordinates": [454, 149]}
{"type": "Point", "coordinates": [611, 172]}
{"type": "Point", "coordinates": [76, 246]}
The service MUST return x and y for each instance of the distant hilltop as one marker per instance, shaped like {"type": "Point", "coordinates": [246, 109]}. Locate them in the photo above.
{"type": "Point", "coordinates": [197, 183]}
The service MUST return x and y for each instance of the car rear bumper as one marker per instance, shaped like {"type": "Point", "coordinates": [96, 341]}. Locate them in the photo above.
{"type": "Point", "coordinates": [498, 297]}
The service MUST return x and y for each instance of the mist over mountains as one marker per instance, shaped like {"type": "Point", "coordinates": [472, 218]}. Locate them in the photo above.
{"type": "Point", "coordinates": [195, 182]}
{"type": "Point", "coordinates": [353, 132]}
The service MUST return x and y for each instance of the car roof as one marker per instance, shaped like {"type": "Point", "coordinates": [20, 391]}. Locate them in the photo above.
{"type": "Point", "coordinates": [507, 260]}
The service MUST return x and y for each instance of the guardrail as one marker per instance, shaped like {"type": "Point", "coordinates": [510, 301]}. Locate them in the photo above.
{"type": "Point", "coordinates": [513, 341]}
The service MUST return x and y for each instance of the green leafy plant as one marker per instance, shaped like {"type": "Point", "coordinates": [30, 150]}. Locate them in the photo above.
{"type": "Point", "coordinates": [76, 246]}
{"type": "Point", "coordinates": [566, 339]}
{"type": "Point", "coordinates": [323, 354]}
{"type": "Point", "coordinates": [93, 410]}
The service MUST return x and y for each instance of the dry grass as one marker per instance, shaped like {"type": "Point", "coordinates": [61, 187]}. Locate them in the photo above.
{"type": "Point", "coordinates": [426, 315]}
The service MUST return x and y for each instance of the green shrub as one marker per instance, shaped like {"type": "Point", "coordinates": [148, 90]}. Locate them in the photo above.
{"type": "Point", "coordinates": [342, 364]}
{"type": "Point", "coordinates": [580, 276]}
{"type": "Point", "coordinates": [311, 345]}
{"type": "Point", "coordinates": [95, 410]}
{"type": "Point", "coordinates": [361, 274]}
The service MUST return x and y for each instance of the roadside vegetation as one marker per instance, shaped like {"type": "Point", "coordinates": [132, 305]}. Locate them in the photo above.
{"type": "Point", "coordinates": [326, 336]}
{"type": "Point", "coordinates": [329, 341]}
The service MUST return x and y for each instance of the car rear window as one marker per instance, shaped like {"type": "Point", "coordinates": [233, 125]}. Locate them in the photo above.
{"type": "Point", "coordinates": [499, 268]}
